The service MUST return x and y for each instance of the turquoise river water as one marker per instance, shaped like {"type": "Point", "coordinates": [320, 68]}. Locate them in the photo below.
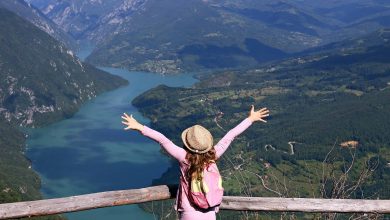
{"type": "Point", "coordinates": [91, 152]}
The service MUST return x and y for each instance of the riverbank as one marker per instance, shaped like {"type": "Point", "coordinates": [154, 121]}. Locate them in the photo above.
{"type": "Point", "coordinates": [41, 84]}
{"type": "Point", "coordinates": [91, 152]}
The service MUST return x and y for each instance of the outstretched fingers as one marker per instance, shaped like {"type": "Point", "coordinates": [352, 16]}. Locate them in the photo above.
{"type": "Point", "coordinates": [127, 125]}
{"type": "Point", "coordinates": [127, 120]}
{"type": "Point", "coordinates": [261, 118]}
{"type": "Point", "coordinates": [260, 114]}
{"type": "Point", "coordinates": [263, 109]}
{"type": "Point", "coordinates": [127, 128]}
{"type": "Point", "coordinates": [126, 116]}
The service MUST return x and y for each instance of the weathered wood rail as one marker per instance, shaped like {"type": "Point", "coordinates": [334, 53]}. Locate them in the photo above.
{"type": "Point", "coordinates": [134, 196]}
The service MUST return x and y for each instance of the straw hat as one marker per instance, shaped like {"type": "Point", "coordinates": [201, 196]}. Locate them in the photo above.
{"type": "Point", "coordinates": [197, 139]}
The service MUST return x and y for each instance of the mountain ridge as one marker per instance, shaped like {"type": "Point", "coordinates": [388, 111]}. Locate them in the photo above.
{"type": "Point", "coordinates": [36, 17]}
{"type": "Point", "coordinates": [46, 61]}
{"type": "Point", "coordinates": [219, 30]}
{"type": "Point", "coordinates": [42, 82]}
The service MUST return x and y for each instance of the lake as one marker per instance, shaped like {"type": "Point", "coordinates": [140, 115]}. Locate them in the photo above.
{"type": "Point", "coordinates": [91, 152]}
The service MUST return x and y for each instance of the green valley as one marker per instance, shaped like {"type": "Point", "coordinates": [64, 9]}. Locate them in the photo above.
{"type": "Point", "coordinates": [202, 35]}
{"type": "Point", "coordinates": [321, 67]}
{"type": "Point", "coordinates": [327, 135]}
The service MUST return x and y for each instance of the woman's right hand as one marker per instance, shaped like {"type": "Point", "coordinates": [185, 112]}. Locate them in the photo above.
{"type": "Point", "coordinates": [258, 115]}
{"type": "Point", "coordinates": [131, 123]}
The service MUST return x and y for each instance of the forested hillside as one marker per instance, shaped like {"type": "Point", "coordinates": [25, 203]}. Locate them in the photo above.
{"type": "Point", "coordinates": [329, 112]}
{"type": "Point", "coordinates": [36, 17]}
{"type": "Point", "coordinates": [171, 36]}
{"type": "Point", "coordinates": [41, 82]}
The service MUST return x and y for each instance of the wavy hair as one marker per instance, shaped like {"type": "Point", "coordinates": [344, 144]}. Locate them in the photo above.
{"type": "Point", "coordinates": [198, 162]}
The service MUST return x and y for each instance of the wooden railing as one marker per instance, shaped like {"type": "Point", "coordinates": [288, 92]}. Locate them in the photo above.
{"type": "Point", "coordinates": [134, 196]}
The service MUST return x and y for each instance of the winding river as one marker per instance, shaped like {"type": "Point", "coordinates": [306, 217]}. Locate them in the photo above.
{"type": "Point", "coordinates": [91, 152]}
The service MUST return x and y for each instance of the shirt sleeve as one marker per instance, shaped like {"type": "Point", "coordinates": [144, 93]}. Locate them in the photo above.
{"type": "Point", "coordinates": [177, 152]}
{"type": "Point", "coordinates": [224, 143]}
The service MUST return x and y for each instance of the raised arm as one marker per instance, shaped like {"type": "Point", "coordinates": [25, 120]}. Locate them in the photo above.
{"type": "Point", "coordinates": [254, 116]}
{"type": "Point", "coordinates": [173, 150]}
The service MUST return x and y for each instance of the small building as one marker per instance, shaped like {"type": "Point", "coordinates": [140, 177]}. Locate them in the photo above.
{"type": "Point", "coordinates": [349, 144]}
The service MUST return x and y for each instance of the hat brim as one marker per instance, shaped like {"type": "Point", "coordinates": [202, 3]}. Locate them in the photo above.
{"type": "Point", "coordinates": [187, 145]}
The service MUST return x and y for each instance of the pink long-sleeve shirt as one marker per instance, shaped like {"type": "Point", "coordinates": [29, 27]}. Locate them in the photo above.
{"type": "Point", "coordinates": [182, 202]}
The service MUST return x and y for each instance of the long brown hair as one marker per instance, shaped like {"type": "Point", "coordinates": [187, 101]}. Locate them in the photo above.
{"type": "Point", "coordinates": [198, 162]}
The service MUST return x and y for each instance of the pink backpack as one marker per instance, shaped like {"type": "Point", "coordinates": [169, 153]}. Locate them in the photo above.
{"type": "Point", "coordinates": [208, 192]}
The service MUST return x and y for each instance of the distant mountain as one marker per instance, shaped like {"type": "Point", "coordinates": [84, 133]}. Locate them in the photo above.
{"type": "Point", "coordinates": [40, 3]}
{"type": "Point", "coordinates": [41, 79]}
{"type": "Point", "coordinates": [376, 39]}
{"type": "Point", "coordinates": [35, 16]}
{"type": "Point", "coordinates": [176, 36]}
{"type": "Point", "coordinates": [193, 35]}
{"type": "Point", "coordinates": [41, 82]}
{"type": "Point", "coordinates": [92, 20]}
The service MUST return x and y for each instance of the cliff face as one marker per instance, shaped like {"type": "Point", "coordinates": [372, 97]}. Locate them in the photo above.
{"type": "Point", "coordinates": [41, 82]}
{"type": "Point", "coordinates": [90, 19]}
{"type": "Point", "coordinates": [36, 17]}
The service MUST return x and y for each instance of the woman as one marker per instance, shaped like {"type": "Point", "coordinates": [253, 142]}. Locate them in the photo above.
{"type": "Point", "coordinates": [197, 154]}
